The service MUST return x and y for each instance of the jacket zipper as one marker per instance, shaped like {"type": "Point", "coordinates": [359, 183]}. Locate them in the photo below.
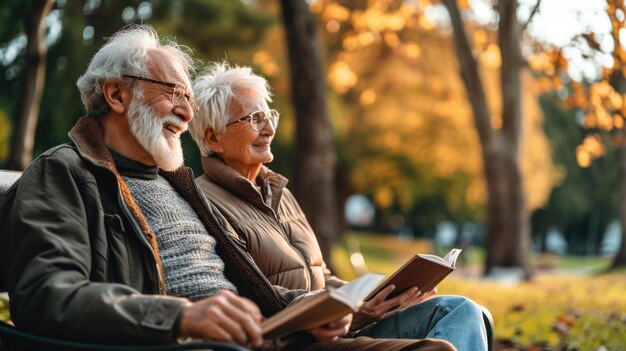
{"type": "Point", "coordinates": [140, 234]}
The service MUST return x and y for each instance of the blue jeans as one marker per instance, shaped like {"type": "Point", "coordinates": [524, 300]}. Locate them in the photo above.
{"type": "Point", "coordinates": [456, 319]}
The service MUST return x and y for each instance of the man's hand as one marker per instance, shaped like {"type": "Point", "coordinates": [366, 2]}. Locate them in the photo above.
{"type": "Point", "coordinates": [223, 317]}
{"type": "Point", "coordinates": [378, 308]}
{"type": "Point", "coordinates": [333, 330]}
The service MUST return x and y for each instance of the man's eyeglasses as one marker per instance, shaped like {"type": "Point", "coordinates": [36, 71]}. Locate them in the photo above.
{"type": "Point", "coordinates": [178, 91]}
{"type": "Point", "coordinates": [258, 119]}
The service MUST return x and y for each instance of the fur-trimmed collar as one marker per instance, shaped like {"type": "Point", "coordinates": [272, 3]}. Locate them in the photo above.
{"type": "Point", "coordinates": [88, 136]}
{"type": "Point", "coordinates": [271, 183]}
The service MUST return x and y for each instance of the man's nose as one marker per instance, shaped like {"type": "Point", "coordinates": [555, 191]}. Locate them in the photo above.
{"type": "Point", "coordinates": [184, 111]}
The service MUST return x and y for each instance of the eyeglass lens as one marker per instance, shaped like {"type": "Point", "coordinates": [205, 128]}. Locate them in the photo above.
{"type": "Point", "coordinates": [260, 118]}
{"type": "Point", "coordinates": [179, 93]}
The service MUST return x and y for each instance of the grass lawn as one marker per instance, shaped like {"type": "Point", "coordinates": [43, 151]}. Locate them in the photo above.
{"type": "Point", "coordinates": [569, 305]}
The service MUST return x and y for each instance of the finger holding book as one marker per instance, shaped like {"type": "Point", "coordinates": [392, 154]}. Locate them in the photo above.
{"type": "Point", "coordinates": [379, 306]}
{"type": "Point", "coordinates": [333, 330]}
{"type": "Point", "coordinates": [417, 298]}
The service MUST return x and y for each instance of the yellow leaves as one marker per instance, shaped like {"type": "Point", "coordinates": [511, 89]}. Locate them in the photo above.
{"type": "Point", "coordinates": [411, 51]}
{"type": "Point", "coordinates": [341, 77]}
{"type": "Point", "coordinates": [602, 89]}
{"type": "Point", "coordinates": [391, 39]}
{"type": "Point", "coordinates": [618, 122]}
{"type": "Point", "coordinates": [591, 148]}
{"type": "Point", "coordinates": [605, 108]}
{"type": "Point", "coordinates": [336, 12]}
{"type": "Point", "coordinates": [463, 4]}
{"type": "Point", "coordinates": [425, 23]}
{"type": "Point", "coordinates": [383, 197]}
{"type": "Point", "coordinates": [480, 37]}
{"type": "Point", "coordinates": [539, 62]}
{"type": "Point", "coordinates": [577, 98]}
{"type": "Point", "coordinates": [548, 62]}
{"type": "Point", "coordinates": [491, 58]}
{"type": "Point", "coordinates": [357, 41]}
{"type": "Point", "coordinates": [367, 97]}
{"type": "Point", "coordinates": [395, 22]}
{"type": "Point", "coordinates": [333, 26]}
{"type": "Point", "coordinates": [366, 38]}
{"type": "Point", "coordinates": [266, 62]}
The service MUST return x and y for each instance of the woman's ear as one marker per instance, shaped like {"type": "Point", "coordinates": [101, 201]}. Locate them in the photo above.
{"type": "Point", "coordinates": [212, 140]}
{"type": "Point", "coordinates": [116, 95]}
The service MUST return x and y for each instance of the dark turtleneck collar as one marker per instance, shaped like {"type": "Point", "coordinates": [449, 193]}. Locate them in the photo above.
{"type": "Point", "coordinates": [131, 168]}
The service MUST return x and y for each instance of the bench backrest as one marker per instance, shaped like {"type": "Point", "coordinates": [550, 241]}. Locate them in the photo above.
{"type": "Point", "coordinates": [7, 178]}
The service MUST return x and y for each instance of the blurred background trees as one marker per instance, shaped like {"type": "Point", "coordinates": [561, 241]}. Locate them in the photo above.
{"type": "Point", "coordinates": [406, 130]}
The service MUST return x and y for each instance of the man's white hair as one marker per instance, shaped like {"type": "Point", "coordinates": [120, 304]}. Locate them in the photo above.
{"type": "Point", "coordinates": [126, 52]}
{"type": "Point", "coordinates": [216, 90]}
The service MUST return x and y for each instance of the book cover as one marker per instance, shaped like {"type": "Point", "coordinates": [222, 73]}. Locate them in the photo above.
{"type": "Point", "coordinates": [321, 308]}
{"type": "Point", "coordinates": [422, 270]}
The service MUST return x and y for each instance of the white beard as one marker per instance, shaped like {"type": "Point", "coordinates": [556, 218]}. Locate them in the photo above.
{"type": "Point", "coordinates": [148, 129]}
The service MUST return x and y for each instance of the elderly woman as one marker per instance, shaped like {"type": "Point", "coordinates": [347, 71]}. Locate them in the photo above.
{"type": "Point", "coordinates": [234, 130]}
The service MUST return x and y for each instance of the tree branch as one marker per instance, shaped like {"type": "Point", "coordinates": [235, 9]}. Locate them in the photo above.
{"type": "Point", "coordinates": [532, 14]}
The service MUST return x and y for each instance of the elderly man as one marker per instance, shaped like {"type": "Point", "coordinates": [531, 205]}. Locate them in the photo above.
{"type": "Point", "coordinates": [107, 239]}
{"type": "Point", "coordinates": [234, 130]}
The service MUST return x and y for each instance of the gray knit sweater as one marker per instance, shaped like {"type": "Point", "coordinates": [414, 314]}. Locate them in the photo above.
{"type": "Point", "coordinates": [191, 266]}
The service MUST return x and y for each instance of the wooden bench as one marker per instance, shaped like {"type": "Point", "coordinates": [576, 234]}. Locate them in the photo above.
{"type": "Point", "coordinates": [12, 338]}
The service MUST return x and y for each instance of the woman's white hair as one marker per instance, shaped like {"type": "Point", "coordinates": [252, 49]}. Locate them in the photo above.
{"type": "Point", "coordinates": [216, 90]}
{"type": "Point", "coordinates": [126, 52]}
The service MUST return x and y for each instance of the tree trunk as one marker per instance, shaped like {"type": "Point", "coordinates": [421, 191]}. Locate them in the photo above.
{"type": "Point", "coordinates": [32, 87]}
{"type": "Point", "coordinates": [618, 82]}
{"type": "Point", "coordinates": [620, 259]}
{"type": "Point", "coordinates": [315, 152]}
{"type": "Point", "coordinates": [508, 241]}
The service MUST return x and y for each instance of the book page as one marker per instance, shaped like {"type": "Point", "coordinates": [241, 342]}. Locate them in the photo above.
{"type": "Point", "coordinates": [321, 308]}
{"type": "Point", "coordinates": [452, 256]}
{"type": "Point", "coordinates": [352, 294]}
{"type": "Point", "coordinates": [424, 271]}
{"type": "Point", "coordinates": [435, 259]}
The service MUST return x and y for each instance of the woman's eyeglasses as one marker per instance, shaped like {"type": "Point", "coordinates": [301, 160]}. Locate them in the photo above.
{"type": "Point", "coordinates": [258, 119]}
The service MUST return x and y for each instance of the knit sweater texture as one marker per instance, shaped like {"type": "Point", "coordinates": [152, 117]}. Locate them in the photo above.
{"type": "Point", "coordinates": [191, 265]}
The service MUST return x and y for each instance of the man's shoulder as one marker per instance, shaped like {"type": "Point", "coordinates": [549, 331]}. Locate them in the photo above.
{"type": "Point", "coordinates": [63, 156]}
{"type": "Point", "coordinates": [66, 151]}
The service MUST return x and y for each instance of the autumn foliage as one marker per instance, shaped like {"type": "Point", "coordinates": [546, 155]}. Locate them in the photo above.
{"type": "Point", "coordinates": [411, 128]}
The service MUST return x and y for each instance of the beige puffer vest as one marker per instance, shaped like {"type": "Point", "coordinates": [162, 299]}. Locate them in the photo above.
{"type": "Point", "coordinates": [270, 224]}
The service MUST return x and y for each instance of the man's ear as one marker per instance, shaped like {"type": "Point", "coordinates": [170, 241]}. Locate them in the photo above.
{"type": "Point", "coordinates": [212, 140]}
{"type": "Point", "coordinates": [116, 95]}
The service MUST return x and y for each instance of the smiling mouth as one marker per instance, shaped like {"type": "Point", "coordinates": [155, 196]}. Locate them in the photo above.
{"type": "Point", "coordinates": [174, 129]}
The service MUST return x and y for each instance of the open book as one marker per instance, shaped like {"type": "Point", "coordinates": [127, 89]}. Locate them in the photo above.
{"type": "Point", "coordinates": [422, 270]}
{"type": "Point", "coordinates": [321, 308]}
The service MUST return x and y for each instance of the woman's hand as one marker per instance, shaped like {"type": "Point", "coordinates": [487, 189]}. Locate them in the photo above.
{"type": "Point", "coordinates": [333, 330]}
{"type": "Point", "coordinates": [379, 308]}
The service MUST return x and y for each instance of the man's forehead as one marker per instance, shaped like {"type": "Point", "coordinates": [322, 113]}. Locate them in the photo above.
{"type": "Point", "coordinates": [163, 65]}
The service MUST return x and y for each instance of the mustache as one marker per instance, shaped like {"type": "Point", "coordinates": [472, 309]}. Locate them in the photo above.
{"type": "Point", "coordinates": [176, 121]}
